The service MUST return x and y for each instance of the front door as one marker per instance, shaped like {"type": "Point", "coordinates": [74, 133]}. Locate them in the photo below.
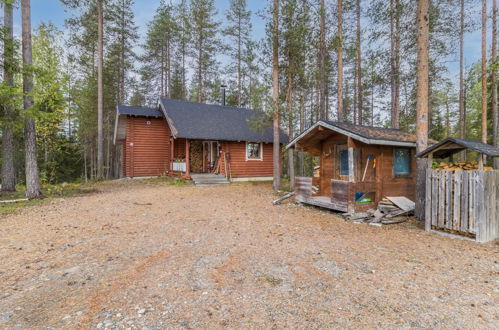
{"type": "Point", "coordinates": [211, 151]}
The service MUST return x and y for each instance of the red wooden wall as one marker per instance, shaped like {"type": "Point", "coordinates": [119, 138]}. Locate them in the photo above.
{"type": "Point", "coordinates": [147, 147]}
{"type": "Point", "coordinates": [240, 167]}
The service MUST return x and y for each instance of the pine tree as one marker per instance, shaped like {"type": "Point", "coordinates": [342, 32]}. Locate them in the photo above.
{"type": "Point", "coordinates": [275, 95]}
{"type": "Point", "coordinates": [341, 114]}
{"type": "Point", "coordinates": [205, 43]}
{"type": "Point", "coordinates": [8, 169]}
{"type": "Point", "coordinates": [395, 62]}
{"type": "Point", "coordinates": [32, 175]}
{"type": "Point", "coordinates": [422, 101]}
{"type": "Point", "coordinates": [493, 85]}
{"type": "Point", "coordinates": [238, 32]}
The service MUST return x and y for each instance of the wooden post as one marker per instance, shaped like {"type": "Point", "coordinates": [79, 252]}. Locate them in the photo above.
{"type": "Point", "coordinates": [187, 159]}
{"type": "Point", "coordinates": [172, 152]}
{"type": "Point", "coordinates": [480, 161]}
{"type": "Point", "coordinates": [351, 160]}
{"type": "Point", "coordinates": [430, 160]}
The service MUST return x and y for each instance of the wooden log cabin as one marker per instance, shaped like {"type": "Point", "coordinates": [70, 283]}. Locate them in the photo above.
{"type": "Point", "coordinates": [180, 137]}
{"type": "Point", "coordinates": [358, 165]}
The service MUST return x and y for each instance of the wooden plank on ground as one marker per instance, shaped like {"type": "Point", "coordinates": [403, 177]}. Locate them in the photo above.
{"type": "Point", "coordinates": [456, 212]}
{"type": "Point", "coordinates": [402, 202]}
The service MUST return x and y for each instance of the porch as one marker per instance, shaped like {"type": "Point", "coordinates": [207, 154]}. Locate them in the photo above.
{"type": "Point", "coordinates": [194, 156]}
{"type": "Point", "coordinates": [345, 196]}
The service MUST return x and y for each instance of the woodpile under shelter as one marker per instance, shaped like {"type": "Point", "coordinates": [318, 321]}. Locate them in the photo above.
{"type": "Point", "coordinates": [180, 137]}
{"type": "Point", "coordinates": [461, 199]}
{"type": "Point", "coordinates": [359, 165]}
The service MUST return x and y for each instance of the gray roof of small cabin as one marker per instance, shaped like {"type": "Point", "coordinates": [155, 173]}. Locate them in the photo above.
{"type": "Point", "coordinates": [201, 121]}
{"type": "Point", "coordinates": [139, 111]}
{"type": "Point", "coordinates": [457, 145]}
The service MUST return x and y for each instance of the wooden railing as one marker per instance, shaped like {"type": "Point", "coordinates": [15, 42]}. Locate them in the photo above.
{"type": "Point", "coordinates": [463, 202]}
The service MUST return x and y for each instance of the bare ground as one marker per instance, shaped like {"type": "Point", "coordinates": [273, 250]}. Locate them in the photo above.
{"type": "Point", "coordinates": [139, 255]}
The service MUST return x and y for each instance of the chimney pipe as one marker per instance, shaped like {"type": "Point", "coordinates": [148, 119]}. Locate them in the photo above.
{"type": "Point", "coordinates": [223, 86]}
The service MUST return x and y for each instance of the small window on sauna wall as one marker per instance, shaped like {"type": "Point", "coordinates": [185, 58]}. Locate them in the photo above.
{"type": "Point", "coordinates": [401, 162]}
{"type": "Point", "coordinates": [344, 162]}
{"type": "Point", "coordinates": [253, 151]}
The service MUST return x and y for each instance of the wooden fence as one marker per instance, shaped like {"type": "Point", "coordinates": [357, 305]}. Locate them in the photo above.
{"type": "Point", "coordinates": [463, 202]}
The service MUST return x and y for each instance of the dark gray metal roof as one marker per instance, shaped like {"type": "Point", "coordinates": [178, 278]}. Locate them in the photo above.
{"type": "Point", "coordinates": [450, 146]}
{"type": "Point", "coordinates": [365, 134]}
{"type": "Point", "coordinates": [214, 122]}
{"type": "Point", "coordinates": [139, 111]}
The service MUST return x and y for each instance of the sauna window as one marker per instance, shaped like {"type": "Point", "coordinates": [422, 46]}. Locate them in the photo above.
{"type": "Point", "coordinates": [254, 151]}
{"type": "Point", "coordinates": [344, 162]}
{"type": "Point", "coordinates": [401, 161]}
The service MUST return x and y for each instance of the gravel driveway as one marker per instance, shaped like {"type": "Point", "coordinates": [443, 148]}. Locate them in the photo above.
{"type": "Point", "coordinates": [141, 255]}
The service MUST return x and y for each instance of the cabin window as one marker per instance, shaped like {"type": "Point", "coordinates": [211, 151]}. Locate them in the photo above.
{"type": "Point", "coordinates": [254, 151]}
{"type": "Point", "coordinates": [344, 162]}
{"type": "Point", "coordinates": [401, 161]}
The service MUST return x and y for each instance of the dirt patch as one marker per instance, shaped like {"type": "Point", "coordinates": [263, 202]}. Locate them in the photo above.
{"type": "Point", "coordinates": [149, 255]}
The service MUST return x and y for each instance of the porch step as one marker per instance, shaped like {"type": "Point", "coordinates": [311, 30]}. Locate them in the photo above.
{"type": "Point", "coordinates": [208, 179]}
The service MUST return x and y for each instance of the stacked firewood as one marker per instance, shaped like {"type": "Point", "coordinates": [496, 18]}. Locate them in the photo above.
{"type": "Point", "coordinates": [461, 166]}
{"type": "Point", "coordinates": [386, 213]}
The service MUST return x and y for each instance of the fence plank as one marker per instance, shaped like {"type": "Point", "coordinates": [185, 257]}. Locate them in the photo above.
{"type": "Point", "coordinates": [448, 199]}
{"type": "Point", "coordinates": [471, 202]}
{"type": "Point", "coordinates": [480, 219]}
{"type": "Point", "coordinates": [464, 202]}
{"type": "Point", "coordinates": [441, 199]}
{"type": "Point", "coordinates": [456, 207]}
{"type": "Point", "coordinates": [434, 198]}
{"type": "Point", "coordinates": [428, 200]}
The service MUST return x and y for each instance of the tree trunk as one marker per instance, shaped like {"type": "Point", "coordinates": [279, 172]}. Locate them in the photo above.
{"type": "Point", "coordinates": [395, 62]}
{"type": "Point", "coordinates": [122, 55]}
{"type": "Point", "coordinates": [495, 113]}
{"type": "Point", "coordinates": [301, 156]}
{"type": "Point", "coordinates": [275, 93]}
{"type": "Point", "coordinates": [32, 177]}
{"type": "Point", "coordinates": [462, 120]}
{"type": "Point", "coordinates": [422, 89]}
{"type": "Point", "coordinates": [484, 71]}
{"type": "Point", "coordinates": [341, 115]}
{"type": "Point", "coordinates": [100, 90]}
{"type": "Point", "coordinates": [239, 55]}
{"type": "Point", "coordinates": [322, 62]}
{"type": "Point", "coordinates": [360, 103]}
{"type": "Point", "coordinates": [8, 171]}
{"type": "Point", "coordinates": [291, 158]}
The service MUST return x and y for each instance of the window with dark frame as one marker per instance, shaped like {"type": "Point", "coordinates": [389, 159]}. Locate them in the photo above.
{"type": "Point", "coordinates": [253, 151]}
{"type": "Point", "coordinates": [344, 162]}
{"type": "Point", "coordinates": [401, 161]}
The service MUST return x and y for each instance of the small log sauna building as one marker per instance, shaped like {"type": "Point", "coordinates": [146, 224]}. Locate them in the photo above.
{"type": "Point", "coordinates": [359, 165]}
{"type": "Point", "coordinates": [180, 137]}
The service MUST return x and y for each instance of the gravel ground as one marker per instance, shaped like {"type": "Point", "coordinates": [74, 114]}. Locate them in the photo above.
{"type": "Point", "coordinates": [140, 255]}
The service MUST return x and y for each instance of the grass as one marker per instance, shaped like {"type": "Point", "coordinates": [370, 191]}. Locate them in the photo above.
{"type": "Point", "coordinates": [49, 191]}
{"type": "Point", "coordinates": [167, 181]}
{"type": "Point", "coordinates": [270, 280]}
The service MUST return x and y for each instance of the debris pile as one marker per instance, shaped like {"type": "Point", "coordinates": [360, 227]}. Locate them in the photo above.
{"type": "Point", "coordinates": [461, 166]}
{"type": "Point", "coordinates": [390, 210]}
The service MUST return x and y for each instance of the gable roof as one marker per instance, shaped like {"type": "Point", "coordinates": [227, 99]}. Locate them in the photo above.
{"type": "Point", "coordinates": [450, 146]}
{"type": "Point", "coordinates": [138, 111]}
{"type": "Point", "coordinates": [193, 120]}
{"type": "Point", "coordinates": [365, 134]}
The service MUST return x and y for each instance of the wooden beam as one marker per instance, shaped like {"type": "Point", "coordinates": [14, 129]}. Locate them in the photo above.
{"type": "Point", "coordinates": [351, 165]}
{"type": "Point", "coordinates": [480, 161]}
{"type": "Point", "coordinates": [430, 160]}
{"type": "Point", "coordinates": [172, 152]}
{"type": "Point", "coordinates": [187, 159]}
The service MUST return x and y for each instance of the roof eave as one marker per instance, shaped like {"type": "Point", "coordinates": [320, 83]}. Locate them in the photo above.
{"type": "Point", "coordinates": [352, 135]}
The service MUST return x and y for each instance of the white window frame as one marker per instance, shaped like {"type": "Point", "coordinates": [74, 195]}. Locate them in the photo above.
{"type": "Point", "coordinates": [261, 151]}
